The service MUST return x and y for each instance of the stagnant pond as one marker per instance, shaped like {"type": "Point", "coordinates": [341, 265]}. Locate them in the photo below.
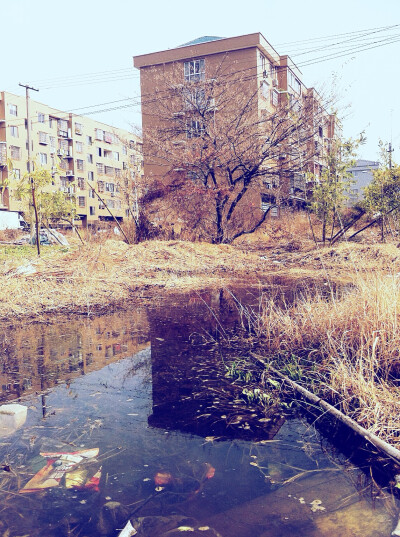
{"type": "Point", "coordinates": [126, 419]}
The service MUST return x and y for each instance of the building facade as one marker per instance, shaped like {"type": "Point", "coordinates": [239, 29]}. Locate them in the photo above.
{"type": "Point", "coordinates": [259, 71]}
{"type": "Point", "coordinates": [84, 156]}
{"type": "Point", "coordinates": [361, 175]}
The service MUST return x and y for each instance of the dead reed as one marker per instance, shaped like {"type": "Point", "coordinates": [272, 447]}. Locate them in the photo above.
{"type": "Point", "coordinates": [352, 340]}
{"type": "Point", "coordinates": [103, 273]}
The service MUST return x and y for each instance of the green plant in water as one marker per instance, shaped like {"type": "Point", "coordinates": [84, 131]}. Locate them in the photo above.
{"type": "Point", "coordinates": [258, 396]}
{"type": "Point", "coordinates": [233, 372]}
{"type": "Point", "coordinates": [292, 369]}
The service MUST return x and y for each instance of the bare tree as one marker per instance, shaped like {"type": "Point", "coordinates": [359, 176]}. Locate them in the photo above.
{"type": "Point", "coordinates": [215, 153]}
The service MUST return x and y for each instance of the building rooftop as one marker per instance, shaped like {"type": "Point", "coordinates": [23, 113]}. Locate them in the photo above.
{"type": "Point", "coordinates": [204, 39]}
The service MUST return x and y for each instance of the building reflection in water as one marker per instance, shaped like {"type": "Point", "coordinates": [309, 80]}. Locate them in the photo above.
{"type": "Point", "coordinates": [36, 357]}
{"type": "Point", "coordinates": [190, 391]}
{"type": "Point", "coordinates": [186, 379]}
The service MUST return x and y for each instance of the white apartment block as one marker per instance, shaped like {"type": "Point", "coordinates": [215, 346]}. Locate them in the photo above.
{"type": "Point", "coordinates": [84, 156]}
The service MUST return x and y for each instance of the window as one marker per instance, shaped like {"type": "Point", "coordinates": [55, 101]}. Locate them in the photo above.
{"type": "Point", "coordinates": [43, 138]}
{"type": "Point", "coordinates": [109, 187]}
{"type": "Point", "coordinates": [263, 62]}
{"type": "Point", "coordinates": [81, 201]}
{"type": "Point", "coordinates": [267, 202]}
{"type": "Point", "coordinates": [12, 108]}
{"type": "Point", "coordinates": [115, 155]}
{"type": "Point", "coordinates": [79, 147]}
{"type": "Point", "coordinates": [99, 134]}
{"type": "Point", "coordinates": [265, 89]}
{"type": "Point", "coordinates": [79, 164]}
{"type": "Point", "coordinates": [108, 137]}
{"type": "Point", "coordinates": [100, 186]}
{"type": "Point", "coordinates": [17, 174]}
{"type": "Point", "coordinates": [131, 144]}
{"type": "Point", "coordinates": [62, 127]}
{"type": "Point", "coordinates": [109, 170]}
{"type": "Point", "coordinates": [52, 144]}
{"type": "Point", "coordinates": [91, 193]}
{"type": "Point", "coordinates": [89, 140]}
{"type": "Point", "coordinates": [107, 154]}
{"type": "Point", "coordinates": [15, 152]}
{"type": "Point", "coordinates": [78, 128]}
{"type": "Point", "coordinates": [194, 70]}
{"type": "Point", "coordinates": [294, 82]}
{"type": "Point", "coordinates": [14, 131]}
{"type": "Point", "coordinates": [92, 211]}
{"type": "Point", "coordinates": [99, 152]}
{"type": "Point", "coordinates": [41, 118]}
{"type": "Point", "coordinates": [90, 176]}
{"type": "Point", "coordinates": [275, 98]}
{"type": "Point", "coordinates": [124, 150]}
{"type": "Point", "coordinates": [52, 121]}
{"type": "Point", "coordinates": [81, 183]}
{"type": "Point", "coordinates": [63, 147]}
{"type": "Point", "coordinates": [89, 158]}
{"type": "Point", "coordinates": [100, 168]}
{"type": "Point", "coordinates": [43, 158]}
{"type": "Point", "coordinates": [195, 128]}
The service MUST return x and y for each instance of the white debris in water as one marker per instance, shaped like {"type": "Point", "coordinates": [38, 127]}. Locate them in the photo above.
{"type": "Point", "coordinates": [316, 506]}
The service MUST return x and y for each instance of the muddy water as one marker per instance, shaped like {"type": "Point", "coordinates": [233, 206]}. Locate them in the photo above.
{"type": "Point", "coordinates": [144, 389]}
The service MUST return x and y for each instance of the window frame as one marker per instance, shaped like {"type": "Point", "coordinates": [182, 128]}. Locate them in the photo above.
{"type": "Point", "coordinates": [194, 70]}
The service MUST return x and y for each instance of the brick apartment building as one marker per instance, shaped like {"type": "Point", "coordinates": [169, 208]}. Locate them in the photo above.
{"type": "Point", "coordinates": [261, 71]}
{"type": "Point", "coordinates": [82, 151]}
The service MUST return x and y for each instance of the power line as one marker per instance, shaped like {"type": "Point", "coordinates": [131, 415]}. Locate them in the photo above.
{"type": "Point", "coordinates": [352, 39]}
{"type": "Point", "coordinates": [328, 57]}
{"type": "Point", "coordinates": [324, 38]}
{"type": "Point", "coordinates": [119, 74]}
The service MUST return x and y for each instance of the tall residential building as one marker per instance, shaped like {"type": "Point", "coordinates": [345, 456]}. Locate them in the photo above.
{"type": "Point", "coordinates": [260, 70]}
{"type": "Point", "coordinates": [84, 156]}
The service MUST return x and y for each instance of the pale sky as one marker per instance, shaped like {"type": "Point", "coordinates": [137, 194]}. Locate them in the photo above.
{"type": "Point", "coordinates": [79, 52]}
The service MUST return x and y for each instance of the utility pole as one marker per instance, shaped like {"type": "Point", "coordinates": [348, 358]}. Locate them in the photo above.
{"type": "Point", "coordinates": [28, 130]}
{"type": "Point", "coordinates": [390, 151]}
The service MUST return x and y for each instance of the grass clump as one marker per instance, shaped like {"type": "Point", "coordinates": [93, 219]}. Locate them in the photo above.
{"type": "Point", "coordinates": [349, 344]}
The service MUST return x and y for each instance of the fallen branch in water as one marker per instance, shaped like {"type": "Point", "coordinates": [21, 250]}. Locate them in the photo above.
{"type": "Point", "coordinates": [383, 446]}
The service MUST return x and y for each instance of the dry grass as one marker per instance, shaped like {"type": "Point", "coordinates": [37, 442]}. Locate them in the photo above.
{"type": "Point", "coordinates": [355, 341]}
{"type": "Point", "coordinates": [86, 278]}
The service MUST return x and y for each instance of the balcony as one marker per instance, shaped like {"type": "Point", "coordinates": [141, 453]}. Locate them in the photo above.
{"type": "Point", "coordinates": [3, 154]}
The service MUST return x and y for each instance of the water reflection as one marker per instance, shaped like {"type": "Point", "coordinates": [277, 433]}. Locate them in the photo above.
{"type": "Point", "coordinates": [36, 357]}
{"type": "Point", "coordinates": [145, 389]}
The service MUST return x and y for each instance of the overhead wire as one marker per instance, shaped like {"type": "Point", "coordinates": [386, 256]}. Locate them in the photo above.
{"type": "Point", "coordinates": [140, 101]}
{"type": "Point", "coordinates": [324, 38]}
{"type": "Point", "coordinates": [126, 73]}
{"type": "Point", "coordinates": [349, 40]}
